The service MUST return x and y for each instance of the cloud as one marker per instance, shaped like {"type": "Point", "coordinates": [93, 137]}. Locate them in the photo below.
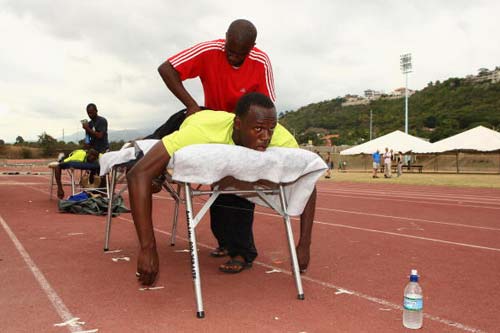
{"type": "Point", "coordinates": [60, 55]}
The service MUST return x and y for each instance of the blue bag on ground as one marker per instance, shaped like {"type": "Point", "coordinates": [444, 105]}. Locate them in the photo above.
{"type": "Point", "coordinates": [92, 205]}
{"type": "Point", "coordinates": [79, 196]}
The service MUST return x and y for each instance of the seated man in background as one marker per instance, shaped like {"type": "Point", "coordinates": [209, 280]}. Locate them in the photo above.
{"type": "Point", "coordinates": [81, 159]}
{"type": "Point", "coordinates": [254, 125]}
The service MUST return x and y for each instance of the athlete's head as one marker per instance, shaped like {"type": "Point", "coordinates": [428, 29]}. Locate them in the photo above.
{"type": "Point", "coordinates": [254, 121]}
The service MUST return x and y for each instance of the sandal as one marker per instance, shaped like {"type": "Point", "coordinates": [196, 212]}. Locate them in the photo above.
{"type": "Point", "coordinates": [234, 266]}
{"type": "Point", "coordinates": [219, 252]}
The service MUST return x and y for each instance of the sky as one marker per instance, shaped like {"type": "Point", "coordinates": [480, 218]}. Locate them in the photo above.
{"type": "Point", "coordinates": [59, 55]}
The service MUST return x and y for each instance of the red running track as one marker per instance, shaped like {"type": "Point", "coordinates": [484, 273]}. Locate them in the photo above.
{"type": "Point", "coordinates": [366, 239]}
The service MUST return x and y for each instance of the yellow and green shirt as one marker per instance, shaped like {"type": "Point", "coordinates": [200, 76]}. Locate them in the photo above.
{"type": "Point", "coordinates": [78, 155]}
{"type": "Point", "coordinates": [216, 127]}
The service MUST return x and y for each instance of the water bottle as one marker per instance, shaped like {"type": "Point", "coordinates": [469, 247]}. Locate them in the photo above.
{"type": "Point", "coordinates": [413, 303]}
{"type": "Point", "coordinates": [87, 139]}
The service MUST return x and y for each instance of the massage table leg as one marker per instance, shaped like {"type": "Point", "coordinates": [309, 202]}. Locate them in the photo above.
{"type": "Point", "coordinates": [194, 252]}
{"type": "Point", "coordinates": [291, 245]}
{"type": "Point", "coordinates": [111, 195]}
{"type": "Point", "coordinates": [72, 177]}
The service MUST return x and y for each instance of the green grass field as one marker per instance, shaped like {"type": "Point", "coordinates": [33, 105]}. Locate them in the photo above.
{"type": "Point", "coordinates": [459, 180]}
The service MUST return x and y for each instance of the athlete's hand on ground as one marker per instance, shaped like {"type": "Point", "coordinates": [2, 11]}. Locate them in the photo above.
{"type": "Point", "coordinates": [147, 266]}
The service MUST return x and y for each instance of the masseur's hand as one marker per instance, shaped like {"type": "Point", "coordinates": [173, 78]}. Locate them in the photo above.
{"type": "Point", "coordinates": [303, 257]}
{"type": "Point", "coordinates": [192, 110]}
{"type": "Point", "coordinates": [147, 266]}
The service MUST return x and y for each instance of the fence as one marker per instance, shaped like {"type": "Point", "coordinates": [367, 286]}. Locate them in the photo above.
{"type": "Point", "coordinates": [431, 163]}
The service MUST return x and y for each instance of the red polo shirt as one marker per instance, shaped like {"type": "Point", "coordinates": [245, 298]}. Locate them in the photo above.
{"type": "Point", "coordinates": [223, 84]}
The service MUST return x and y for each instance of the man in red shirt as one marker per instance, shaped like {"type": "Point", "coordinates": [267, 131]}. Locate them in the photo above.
{"type": "Point", "coordinates": [228, 69]}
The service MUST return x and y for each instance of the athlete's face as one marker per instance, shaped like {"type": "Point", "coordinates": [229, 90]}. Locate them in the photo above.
{"type": "Point", "coordinates": [257, 127]}
{"type": "Point", "coordinates": [236, 51]}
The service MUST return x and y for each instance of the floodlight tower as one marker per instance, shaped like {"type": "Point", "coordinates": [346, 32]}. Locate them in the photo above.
{"type": "Point", "coordinates": [405, 64]}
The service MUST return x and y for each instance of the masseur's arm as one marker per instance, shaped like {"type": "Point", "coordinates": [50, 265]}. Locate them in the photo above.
{"type": "Point", "coordinates": [139, 180]}
{"type": "Point", "coordinates": [94, 133]}
{"type": "Point", "coordinates": [306, 224]}
{"type": "Point", "coordinates": [171, 78]}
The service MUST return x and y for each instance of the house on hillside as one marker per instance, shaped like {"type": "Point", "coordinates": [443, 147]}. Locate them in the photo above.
{"type": "Point", "coordinates": [400, 92]}
{"type": "Point", "coordinates": [354, 100]}
{"type": "Point", "coordinates": [373, 94]}
{"type": "Point", "coordinates": [485, 75]}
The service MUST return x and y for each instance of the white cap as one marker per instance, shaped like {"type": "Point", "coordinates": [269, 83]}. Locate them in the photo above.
{"type": "Point", "coordinates": [414, 272]}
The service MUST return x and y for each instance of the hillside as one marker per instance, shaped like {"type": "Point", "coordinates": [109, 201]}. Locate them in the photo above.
{"type": "Point", "coordinates": [438, 111]}
{"type": "Point", "coordinates": [113, 135]}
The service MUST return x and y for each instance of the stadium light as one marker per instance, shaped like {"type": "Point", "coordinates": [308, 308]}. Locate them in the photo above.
{"type": "Point", "coordinates": [405, 64]}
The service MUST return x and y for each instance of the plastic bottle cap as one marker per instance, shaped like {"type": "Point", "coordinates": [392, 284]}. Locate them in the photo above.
{"type": "Point", "coordinates": [414, 272]}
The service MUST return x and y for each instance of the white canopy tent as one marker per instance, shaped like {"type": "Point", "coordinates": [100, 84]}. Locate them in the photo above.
{"type": "Point", "coordinates": [397, 141]}
{"type": "Point", "coordinates": [480, 139]}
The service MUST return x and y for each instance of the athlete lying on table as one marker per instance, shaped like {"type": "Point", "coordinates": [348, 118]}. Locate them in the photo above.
{"type": "Point", "coordinates": [254, 125]}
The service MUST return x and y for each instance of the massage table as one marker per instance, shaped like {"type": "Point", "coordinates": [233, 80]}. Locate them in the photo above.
{"type": "Point", "coordinates": [280, 178]}
{"type": "Point", "coordinates": [70, 168]}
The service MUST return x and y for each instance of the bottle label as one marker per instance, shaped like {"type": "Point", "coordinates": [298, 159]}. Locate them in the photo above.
{"type": "Point", "coordinates": [413, 304]}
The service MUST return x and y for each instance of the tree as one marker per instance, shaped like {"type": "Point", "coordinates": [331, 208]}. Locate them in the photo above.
{"type": "Point", "coordinates": [19, 140]}
{"type": "Point", "coordinates": [48, 144]}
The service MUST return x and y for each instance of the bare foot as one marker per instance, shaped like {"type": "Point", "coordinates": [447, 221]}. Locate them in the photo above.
{"type": "Point", "coordinates": [60, 193]}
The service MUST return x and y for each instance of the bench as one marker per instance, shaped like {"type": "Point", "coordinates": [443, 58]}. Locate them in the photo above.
{"type": "Point", "coordinates": [410, 167]}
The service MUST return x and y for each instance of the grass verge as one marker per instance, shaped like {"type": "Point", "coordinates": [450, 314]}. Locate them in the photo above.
{"type": "Point", "coordinates": [458, 180]}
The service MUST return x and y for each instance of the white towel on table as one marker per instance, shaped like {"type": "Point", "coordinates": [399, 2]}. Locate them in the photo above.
{"type": "Point", "coordinates": [297, 169]}
{"type": "Point", "coordinates": [124, 155]}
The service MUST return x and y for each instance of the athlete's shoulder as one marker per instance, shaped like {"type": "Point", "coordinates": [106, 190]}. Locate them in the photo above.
{"type": "Point", "coordinates": [210, 116]}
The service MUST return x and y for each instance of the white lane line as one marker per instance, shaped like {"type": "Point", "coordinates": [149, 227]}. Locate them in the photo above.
{"type": "Point", "coordinates": [14, 183]}
{"type": "Point", "coordinates": [339, 290]}
{"type": "Point", "coordinates": [56, 301]}
{"type": "Point", "coordinates": [407, 218]}
{"type": "Point", "coordinates": [419, 195]}
{"type": "Point", "coordinates": [410, 236]}
{"type": "Point", "coordinates": [394, 234]}
{"type": "Point", "coordinates": [410, 201]}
